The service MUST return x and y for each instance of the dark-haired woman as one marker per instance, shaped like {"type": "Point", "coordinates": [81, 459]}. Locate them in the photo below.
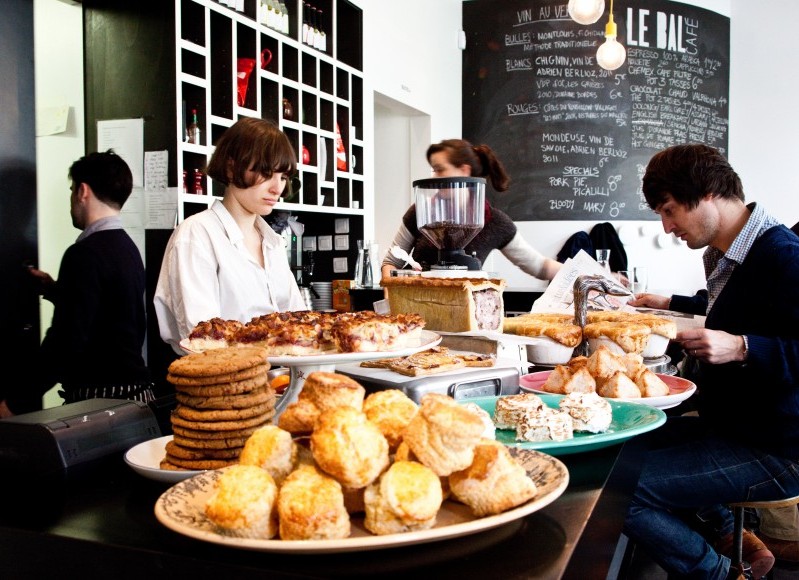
{"type": "Point", "coordinates": [226, 261]}
{"type": "Point", "coordinates": [459, 158]}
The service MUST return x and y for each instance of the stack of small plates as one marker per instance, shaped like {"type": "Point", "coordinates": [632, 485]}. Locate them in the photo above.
{"type": "Point", "coordinates": [324, 291]}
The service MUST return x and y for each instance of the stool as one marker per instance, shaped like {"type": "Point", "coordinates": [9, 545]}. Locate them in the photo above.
{"type": "Point", "coordinates": [738, 529]}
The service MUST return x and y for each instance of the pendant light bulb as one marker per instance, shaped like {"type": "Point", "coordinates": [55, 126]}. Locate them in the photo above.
{"type": "Point", "coordinates": [586, 11]}
{"type": "Point", "coordinates": [611, 55]}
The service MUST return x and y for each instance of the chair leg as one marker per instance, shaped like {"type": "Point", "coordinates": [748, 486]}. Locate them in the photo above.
{"type": "Point", "coordinates": [737, 543]}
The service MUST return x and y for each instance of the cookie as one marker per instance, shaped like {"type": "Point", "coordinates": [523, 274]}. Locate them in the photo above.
{"type": "Point", "coordinates": [204, 444]}
{"type": "Point", "coordinates": [222, 434]}
{"type": "Point", "coordinates": [200, 464]}
{"type": "Point", "coordinates": [176, 450]}
{"type": "Point", "coordinates": [221, 425]}
{"type": "Point", "coordinates": [214, 415]}
{"type": "Point", "coordinates": [223, 389]}
{"type": "Point", "coordinates": [165, 464]}
{"type": "Point", "coordinates": [252, 372]}
{"type": "Point", "coordinates": [218, 361]}
{"type": "Point", "coordinates": [256, 397]}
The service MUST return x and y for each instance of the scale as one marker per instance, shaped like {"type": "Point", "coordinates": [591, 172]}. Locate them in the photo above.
{"type": "Point", "coordinates": [450, 212]}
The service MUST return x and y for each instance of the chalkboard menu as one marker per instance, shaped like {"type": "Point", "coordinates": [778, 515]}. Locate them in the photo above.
{"type": "Point", "coordinates": [574, 137]}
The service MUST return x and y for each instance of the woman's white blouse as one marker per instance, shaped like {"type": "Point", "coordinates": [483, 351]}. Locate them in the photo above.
{"type": "Point", "coordinates": [207, 272]}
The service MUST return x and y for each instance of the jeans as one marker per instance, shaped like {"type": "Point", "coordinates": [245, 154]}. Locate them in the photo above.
{"type": "Point", "coordinates": [690, 470]}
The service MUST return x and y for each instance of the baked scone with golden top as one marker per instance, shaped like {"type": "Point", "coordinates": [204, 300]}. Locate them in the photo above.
{"type": "Point", "coordinates": [391, 410]}
{"type": "Point", "coordinates": [493, 483]}
{"type": "Point", "coordinates": [321, 391]}
{"type": "Point", "coordinates": [406, 498]}
{"type": "Point", "coordinates": [650, 384]}
{"type": "Point", "coordinates": [490, 430]}
{"type": "Point", "coordinates": [443, 434]}
{"type": "Point", "coordinates": [243, 503]}
{"type": "Point", "coordinates": [404, 453]}
{"type": "Point", "coordinates": [618, 385]}
{"type": "Point", "coordinates": [562, 380]}
{"type": "Point", "coordinates": [311, 507]}
{"type": "Point", "coordinates": [509, 410]}
{"type": "Point", "coordinates": [604, 363]}
{"type": "Point", "coordinates": [349, 447]}
{"type": "Point", "coordinates": [273, 449]}
{"type": "Point", "coordinates": [620, 336]}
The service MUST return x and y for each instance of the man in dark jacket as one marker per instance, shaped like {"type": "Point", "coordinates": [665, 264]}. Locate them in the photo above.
{"type": "Point", "coordinates": [94, 345]}
{"type": "Point", "coordinates": [744, 446]}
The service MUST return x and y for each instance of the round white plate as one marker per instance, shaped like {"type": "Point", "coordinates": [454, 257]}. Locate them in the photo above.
{"type": "Point", "coordinates": [679, 390]}
{"type": "Point", "coordinates": [146, 457]}
{"type": "Point", "coordinates": [182, 509]}
{"type": "Point", "coordinates": [426, 339]}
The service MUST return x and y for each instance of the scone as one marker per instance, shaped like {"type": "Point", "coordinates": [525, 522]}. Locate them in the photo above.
{"type": "Point", "coordinates": [273, 449]}
{"type": "Point", "coordinates": [490, 430]}
{"type": "Point", "coordinates": [311, 507]}
{"type": "Point", "coordinates": [404, 453]}
{"type": "Point", "coordinates": [616, 386]}
{"type": "Point", "coordinates": [604, 363]}
{"type": "Point", "coordinates": [348, 447]}
{"type": "Point", "coordinates": [650, 384]}
{"type": "Point", "coordinates": [391, 410]}
{"type": "Point", "coordinates": [406, 498]}
{"type": "Point", "coordinates": [243, 503]}
{"type": "Point", "coordinates": [562, 380]}
{"type": "Point", "coordinates": [493, 483]}
{"type": "Point", "coordinates": [509, 410]}
{"type": "Point", "coordinates": [321, 391]}
{"type": "Point", "coordinates": [589, 412]}
{"type": "Point", "coordinates": [443, 434]}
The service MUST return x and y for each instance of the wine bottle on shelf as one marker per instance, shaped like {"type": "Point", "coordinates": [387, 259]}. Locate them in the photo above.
{"type": "Point", "coordinates": [322, 33]}
{"type": "Point", "coordinates": [284, 25]}
{"type": "Point", "coordinates": [277, 24]}
{"type": "Point", "coordinates": [305, 23]}
{"type": "Point", "coordinates": [312, 31]}
{"type": "Point", "coordinates": [193, 129]}
{"type": "Point", "coordinates": [317, 29]}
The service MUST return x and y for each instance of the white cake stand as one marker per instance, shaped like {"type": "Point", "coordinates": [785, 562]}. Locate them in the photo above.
{"type": "Point", "coordinates": [302, 366]}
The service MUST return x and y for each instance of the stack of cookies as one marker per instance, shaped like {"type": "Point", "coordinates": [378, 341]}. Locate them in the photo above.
{"type": "Point", "coordinates": [223, 396]}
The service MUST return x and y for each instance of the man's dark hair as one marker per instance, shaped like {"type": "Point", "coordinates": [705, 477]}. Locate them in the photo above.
{"type": "Point", "coordinates": [688, 173]}
{"type": "Point", "coordinates": [107, 174]}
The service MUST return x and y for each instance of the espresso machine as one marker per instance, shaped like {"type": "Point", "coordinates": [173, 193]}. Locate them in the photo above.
{"type": "Point", "coordinates": [450, 212]}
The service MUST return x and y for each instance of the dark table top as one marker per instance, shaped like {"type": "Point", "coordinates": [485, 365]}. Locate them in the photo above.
{"type": "Point", "coordinates": [102, 524]}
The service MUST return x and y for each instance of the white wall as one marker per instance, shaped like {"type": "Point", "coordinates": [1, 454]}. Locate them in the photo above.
{"type": "Point", "coordinates": [58, 54]}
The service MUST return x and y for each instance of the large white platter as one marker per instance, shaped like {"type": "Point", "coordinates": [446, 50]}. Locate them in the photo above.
{"type": "Point", "coordinates": [427, 339]}
{"type": "Point", "coordinates": [145, 459]}
{"type": "Point", "coordinates": [679, 390]}
{"type": "Point", "coordinates": [181, 508]}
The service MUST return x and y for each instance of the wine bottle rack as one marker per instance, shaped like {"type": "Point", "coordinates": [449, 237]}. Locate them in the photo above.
{"type": "Point", "coordinates": [324, 91]}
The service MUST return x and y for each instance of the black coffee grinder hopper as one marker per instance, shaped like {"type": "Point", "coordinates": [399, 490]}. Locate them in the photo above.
{"type": "Point", "coordinates": [450, 212]}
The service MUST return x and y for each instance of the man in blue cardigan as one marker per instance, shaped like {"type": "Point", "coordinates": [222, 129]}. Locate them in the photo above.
{"type": "Point", "coordinates": [744, 445]}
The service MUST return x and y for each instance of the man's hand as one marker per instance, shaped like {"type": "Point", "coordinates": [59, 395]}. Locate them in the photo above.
{"type": "Point", "coordinates": [651, 301]}
{"type": "Point", "coordinates": [712, 346]}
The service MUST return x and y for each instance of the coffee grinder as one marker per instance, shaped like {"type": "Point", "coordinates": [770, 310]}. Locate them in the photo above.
{"type": "Point", "coordinates": [450, 212]}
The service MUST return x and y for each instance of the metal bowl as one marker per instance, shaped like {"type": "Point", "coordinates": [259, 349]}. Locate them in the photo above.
{"type": "Point", "coordinates": [273, 373]}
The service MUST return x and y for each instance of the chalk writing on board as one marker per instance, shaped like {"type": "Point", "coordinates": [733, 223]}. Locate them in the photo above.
{"type": "Point", "coordinates": [574, 137]}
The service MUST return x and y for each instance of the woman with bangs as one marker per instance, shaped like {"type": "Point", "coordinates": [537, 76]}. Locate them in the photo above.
{"type": "Point", "coordinates": [226, 261]}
